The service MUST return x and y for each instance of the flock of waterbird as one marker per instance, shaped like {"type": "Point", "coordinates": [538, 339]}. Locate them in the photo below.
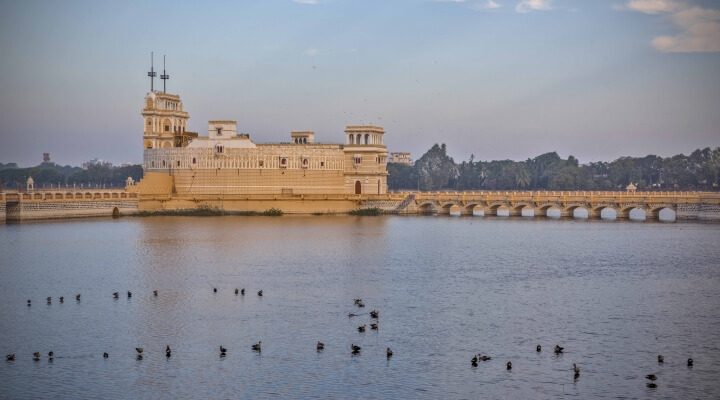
{"type": "Point", "coordinates": [223, 351]}
{"type": "Point", "coordinates": [477, 358]}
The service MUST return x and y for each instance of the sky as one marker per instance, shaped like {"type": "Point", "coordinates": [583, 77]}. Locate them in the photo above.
{"type": "Point", "coordinates": [498, 79]}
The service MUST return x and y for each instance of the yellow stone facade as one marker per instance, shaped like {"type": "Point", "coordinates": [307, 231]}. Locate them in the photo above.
{"type": "Point", "coordinates": [228, 163]}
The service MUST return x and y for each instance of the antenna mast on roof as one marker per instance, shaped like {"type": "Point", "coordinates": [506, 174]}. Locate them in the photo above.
{"type": "Point", "coordinates": [152, 73]}
{"type": "Point", "coordinates": [164, 76]}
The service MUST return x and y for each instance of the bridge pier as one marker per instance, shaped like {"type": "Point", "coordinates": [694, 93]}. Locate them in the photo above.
{"type": "Point", "coordinates": [540, 212]}
{"type": "Point", "coordinates": [567, 213]}
{"type": "Point", "coordinates": [467, 211]}
{"type": "Point", "coordinates": [652, 215]}
{"type": "Point", "coordinates": [489, 211]}
{"type": "Point", "coordinates": [443, 210]}
{"type": "Point", "coordinates": [594, 214]}
{"type": "Point", "coordinates": [515, 212]}
{"type": "Point", "coordinates": [622, 214]}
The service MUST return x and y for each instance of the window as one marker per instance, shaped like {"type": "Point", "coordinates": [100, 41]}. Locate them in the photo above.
{"type": "Point", "coordinates": [219, 149]}
{"type": "Point", "coordinates": [357, 159]}
{"type": "Point", "coordinates": [178, 163]}
{"type": "Point", "coordinates": [194, 160]}
{"type": "Point", "coordinates": [167, 128]}
{"type": "Point", "coordinates": [305, 163]}
{"type": "Point", "coordinates": [219, 131]}
{"type": "Point", "coordinates": [322, 163]}
{"type": "Point", "coordinates": [261, 163]}
{"type": "Point", "coordinates": [283, 162]}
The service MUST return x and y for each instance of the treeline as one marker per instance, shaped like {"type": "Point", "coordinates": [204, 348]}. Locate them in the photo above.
{"type": "Point", "coordinates": [51, 175]}
{"type": "Point", "coordinates": [435, 170]}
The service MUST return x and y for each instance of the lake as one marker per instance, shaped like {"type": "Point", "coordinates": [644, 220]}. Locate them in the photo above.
{"type": "Point", "coordinates": [614, 294]}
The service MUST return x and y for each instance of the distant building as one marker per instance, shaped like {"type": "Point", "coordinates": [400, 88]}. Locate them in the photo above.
{"type": "Point", "coordinates": [401, 157]}
{"type": "Point", "coordinates": [97, 161]}
{"type": "Point", "coordinates": [46, 159]}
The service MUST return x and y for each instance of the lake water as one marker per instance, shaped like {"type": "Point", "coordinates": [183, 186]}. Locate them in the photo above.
{"type": "Point", "coordinates": [614, 294]}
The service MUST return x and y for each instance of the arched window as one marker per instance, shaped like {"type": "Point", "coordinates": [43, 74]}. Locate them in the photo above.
{"type": "Point", "coordinates": [358, 139]}
{"type": "Point", "coordinates": [367, 138]}
{"type": "Point", "coordinates": [194, 160]}
{"type": "Point", "coordinates": [352, 139]}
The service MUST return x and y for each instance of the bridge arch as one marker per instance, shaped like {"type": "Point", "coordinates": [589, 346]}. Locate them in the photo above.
{"type": "Point", "coordinates": [542, 210]}
{"type": "Point", "coordinates": [669, 211]}
{"type": "Point", "coordinates": [516, 209]}
{"type": "Point", "coordinates": [469, 209]}
{"type": "Point", "coordinates": [624, 212]}
{"type": "Point", "coordinates": [426, 207]}
{"type": "Point", "coordinates": [569, 211]}
{"type": "Point", "coordinates": [115, 212]}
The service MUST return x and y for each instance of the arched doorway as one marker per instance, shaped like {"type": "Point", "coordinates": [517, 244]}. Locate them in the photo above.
{"type": "Point", "coordinates": [115, 212]}
{"type": "Point", "coordinates": [358, 187]}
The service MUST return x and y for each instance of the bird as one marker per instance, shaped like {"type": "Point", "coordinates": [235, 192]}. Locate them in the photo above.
{"type": "Point", "coordinates": [690, 362]}
{"type": "Point", "coordinates": [29, 302]}
{"type": "Point", "coordinates": [49, 300]}
{"type": "Point", "coordinates": [237, 291]}
{"type": "Point", "coordinates": [214, 290]}
{"type": "Point", "coordinates": [652, 377]}
{"type": "Point", "coordinates": [168, 352]}
{"type": "Point", "coordinates": [389, 352]}
{"type": "Point", "coordinates": [155, 293]}
{"type": "Point", "coordinates": [223, 350]}
{"type": "Point", "coordinates": [350, 315]}
{"type": "Point", "coordinates": [50, 354]}
{"type": "Point", "coordinates": [106, 355]}
{"type": "Point", "coordinates": [538, 348]}
{"type": "Point", "coordinates": [661, 359]}
{"type": "Point", "coordinates": [375, 313]}
{"type": "Point", "coordinates": [361, 328]}
{"type": "Point", "coordinates": [360, 304]}
{"type": "Point", "coordinates": [320, 345]}
{"type": "Point", "coordinates": [77, 297]}
{"type": "Point", "coordinates": [509, 365]}
{"type": "Point", "coordinates": [116, 295]}
{"type": "Point", "coordinates": [129, 294]}
{"type": "Point", "coordinates": [355, 349]}
{"type": "Point", "coordinates": [260, 293]}
{"type": "Point", "coordinates": [139, 350]}
{"type": "Point", "coordinates": [257, 346]}
{"type": "Point", "coordinates": [374, 326]}
{"type": "Point", "coordinates": [36, 354]}
{"type": "Point", "coordinates": [484, 358]}
{"type": "Point", "coordinates": [10, 357]}
{"type": "Point", "coordinates": [242, 292]}
{"type": "Point", "coordinates": [558, 349]}
{"type": "Point", "coordinates": [576, 369]}
{"type": "Point", "coordinates": [474, 359]}
{"type": "Point", "coordinates": [357, 301]}
{"type": "Point", "coordinates": [62, 299]}
{"type": "Point", "coordinates": [652, 385]}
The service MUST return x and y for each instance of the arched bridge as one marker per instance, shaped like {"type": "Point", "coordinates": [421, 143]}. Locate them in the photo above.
{"type": "Point", "coordinates": [686, 205]}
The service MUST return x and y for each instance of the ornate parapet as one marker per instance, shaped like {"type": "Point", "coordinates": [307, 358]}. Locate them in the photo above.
{"type": "Point", "coordinates": [687, 211]}
{"type": "Point", "coordinates": [709, 212]}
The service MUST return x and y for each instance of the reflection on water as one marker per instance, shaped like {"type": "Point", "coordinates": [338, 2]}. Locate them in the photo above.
{"type": "Point", "coordinates": [614, 294]}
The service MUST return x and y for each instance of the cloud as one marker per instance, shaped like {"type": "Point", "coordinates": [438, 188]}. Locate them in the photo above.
{"type": "Point", "coordinates": [653, 6]}
{"type": "Point", "coordinates": [488, 5]}
{"type": "Point", "coordinates": [699, 27]}
{"type": "Point", "coordinates": [701, 32]}
{"type": "Point", "coordinates": [306, 1]}
{"type": "Point", "coordinates": [310, 51]}
{"type": "Point", "coordinates": [525, 6]}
